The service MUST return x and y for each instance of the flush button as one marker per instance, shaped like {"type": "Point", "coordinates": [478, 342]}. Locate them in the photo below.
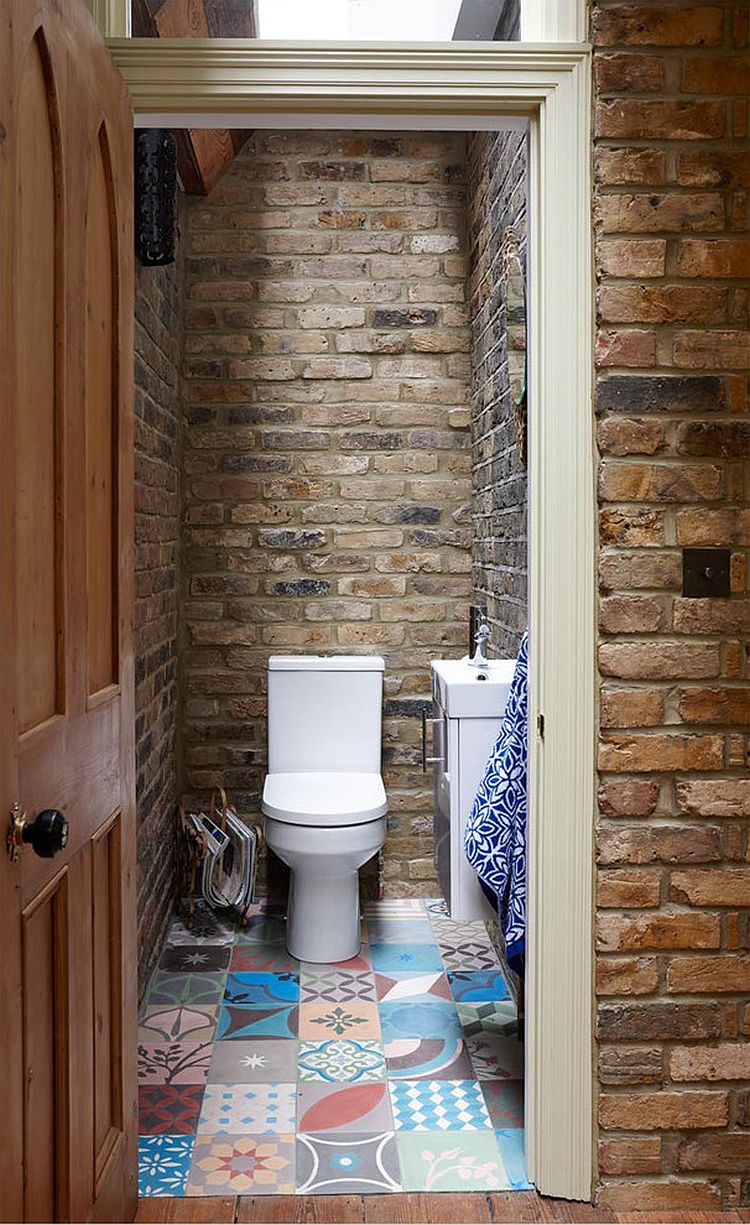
{"type": "Point", "coordinates": [705, 573]}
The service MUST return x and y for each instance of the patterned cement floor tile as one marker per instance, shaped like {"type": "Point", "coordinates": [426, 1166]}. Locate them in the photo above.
{"type": "Point", "coordinates": [435, 907]}
{"type": "Point", "coordinates": [469, 955]}
{"type": "Point", "coordinates": [173, 1063]}
{"type": "Point", "coordinates": [361, 964]}
{"type": "Point", "coordinates": [242, 1165]}
{"type": "Point", "coordinates": [347, 1164]}
{"type": "Point", "coordinates": [404, 1018]}
{"type": "Point", "coordinates": [192, 958]}
{"type": "Point", "coordinates": [262, 958]}
{"type": "Point", "coordinates": [252, 1061]}
{"type": "Point", "coordinates": [400, 958]}
{"type": "Point", "coordinates": [338, 986]}
{"type": "Point", "coordinates": [363, 1108]}
{"type": "Point", "coordinates": [451, 1161]}
{"type": "Point", "coordinates": [341, 1060]}
{"type": "Point", "coordinates": [263, 929]}
{"type": "Point", "coordinates": [204, 927]}
{"type": "Point", "coordinates": [428, 1059]}
{"type": "Point", "coordinates": [511, 1145]}
{"type": "Point", "coordinates": [478, 986]}
{"type": "Point", "coordinates": [358, 1019]}
{"type": "Point", "coordinates": [494, 1057]}
{"type": "Point", "coordinates": [258, 1022]}
{"type": "Point", "coordinates": [163, 1164]}
{"type": "Point", "coordinates": [445, 929]}
{"type": "Point", "coordinates": [400, 931]}
{"type": "Point", "coordinates": [423, 988]}
{"type": "Point", "coordinates": [504, 1100]}
{"type": "Point", "coordinates": [258, 1110]}
{"type": "Point", "coordinates": [193, 1023]}
{"type": "Point", "coordinates": [179, 989]}
{"type": "Point", "coordinates": [169, 1109]}
{"type": "Point", "coordinates": [492, 1016]}
{"type": "Point", "coordinates": [439, 1105]}
{"type": "Point", "coordinates": [259, 990]}
{"type": "Point", "coordinates": [393, 908]}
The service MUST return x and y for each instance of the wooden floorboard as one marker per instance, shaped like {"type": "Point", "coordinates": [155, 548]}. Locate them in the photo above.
{"type": "Point", "coordinates": [415, 1208]}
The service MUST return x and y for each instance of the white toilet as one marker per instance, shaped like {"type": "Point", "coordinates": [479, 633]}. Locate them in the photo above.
{"type": "Point", "coordinates": [323, 799]}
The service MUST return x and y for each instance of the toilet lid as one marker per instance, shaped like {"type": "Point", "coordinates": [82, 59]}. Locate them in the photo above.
{"type": "Point", "coordinates": [324, 799]}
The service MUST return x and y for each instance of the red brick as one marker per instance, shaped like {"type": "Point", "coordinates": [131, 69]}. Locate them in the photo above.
{"type": "Point", "coordinates": [626, 888]}
{"type": "Point", "coordinates": [630, 1065]}
{"type": "Point", "coordinates": [631, 708]}
{"type": "Point", "coordinates": [624, 933]}
{"type": "Point", "coordinates": [712, 350]}
{"type": "Point", "coordinates": [715, 74]}
{"type": "Point", "coordinates": [629, 167]}
{"type": "Point", "coordinates": [623, 436]}
{"type": "Point", "coordinates": [718, 257]}
{"type": "Point", "coordinates": [713, 168]}
{"type": "Point", "coordinates": [713, 527]}
{"type": "Point", "coordinates": [636, 349]}
{"type": "Point", "coordinates": [631, 528]}
{"type": "Point", "coordinates": [714, 1153]}
{"type": "Point", "coordinates": [729, 974]}
{"type": "Point", "coordinates": [726, 797]}
{"type": "Point", "coordinates": [715, 705]}
{"type": "Point", "coordinates": [724, 1061]}
{"type": "Point", "coordinates": [644, 754]}
{"type": "Point", "coordinates": [665, 844]}
{"type": "Point", "coordinates": [623, 482]}
{"type": "Point", "coordinates": [636, 119]}
{"type": "Point", "coordinates": [626, 976]}
{"type": "Point", "coordinates": [686, 1110]}
{"type": "Point", "coordinates": [658, 26]}
{"type": "Point", "coordinates": [621, 73]}
{"type": "Point", "coordinates": [671, 1196]}
{"type": "Point", "coordinates": [631, 797]}
{"type": "Point", "coordinates": [721, 887]}
{"type": "Point", "coordinates": [630, 1156]}
{"type": "Point", "coordinates": [711, 616]}
{"type": "Point", "coordinates": [658, 660]}
{"type": "Point", "coordinates": [626, 257]}
{"type": "Point", "coordinates": [662, 304]}
{"type": "Point", "coordinates": [671, 212]}
{"type": "Point", "coordinates": [630, 615]}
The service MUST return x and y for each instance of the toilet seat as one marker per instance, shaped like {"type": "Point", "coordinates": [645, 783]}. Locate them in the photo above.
{"type": "Point", "coordinates": [324, 798]}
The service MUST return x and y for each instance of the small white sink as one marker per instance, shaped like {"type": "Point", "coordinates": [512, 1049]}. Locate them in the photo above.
{"type": "Point", "coordinates": [465, 692]}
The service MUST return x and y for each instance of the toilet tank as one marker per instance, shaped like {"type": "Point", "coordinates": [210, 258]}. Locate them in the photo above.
{"type": "Point", "coordinates": [324, 713]}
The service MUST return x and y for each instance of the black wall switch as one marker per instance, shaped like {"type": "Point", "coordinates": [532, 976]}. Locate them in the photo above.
{"type": "Point", "coordinates": [705, 574]}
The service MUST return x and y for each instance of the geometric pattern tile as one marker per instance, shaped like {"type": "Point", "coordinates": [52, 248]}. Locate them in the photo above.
{"type": "Point", "coordinates": [451, 1161]}
{"type": "Point", "coordinates": [338, 986]}
{"type": "Point", "coordinates": [439, 1105]}
{"type": "Point", "coordinates": [341, 1060]}
{"type": "Point", "coordinates": [347, 1164]}
{"type": "Point", "coordinates": [399, 1068]}
{"type": "Point", "coordinates": [163, 1164]}
{"type": "Point", "coordinates": [478, 986]}
{"type": "Point", "coordinates": [242, 1165]}
{"type": "Point", "coordinates": [169, 1109]}
{"type": "Point", "coordinates": [362, 1108]}
{"type": "Point", "coordinates": [255, 1110]}
{"type": "Point", "coordinates": [251, 1061]}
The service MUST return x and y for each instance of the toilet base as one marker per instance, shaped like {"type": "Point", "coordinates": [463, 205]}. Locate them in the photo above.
{"type": "Point", "coordinates": [334, 901]}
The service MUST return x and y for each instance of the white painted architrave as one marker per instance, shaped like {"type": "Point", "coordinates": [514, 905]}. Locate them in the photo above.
{"type": "Point", "coordinates": [462, 85]}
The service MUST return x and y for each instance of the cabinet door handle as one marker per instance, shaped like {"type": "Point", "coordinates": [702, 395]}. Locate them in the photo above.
{"type": "Point", "coordinates": [427, 761]}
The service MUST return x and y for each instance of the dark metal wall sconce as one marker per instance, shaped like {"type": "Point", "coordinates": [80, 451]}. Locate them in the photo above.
{"type": "Point", "coordinates": [155, 196]}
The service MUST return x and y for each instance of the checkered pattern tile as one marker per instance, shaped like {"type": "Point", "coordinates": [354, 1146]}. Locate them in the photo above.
{"type": "Point", "coordinates": [398, 1070]}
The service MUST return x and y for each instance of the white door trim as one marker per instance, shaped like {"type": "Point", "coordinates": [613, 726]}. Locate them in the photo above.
{"type": "Point", "coordinates": [244, 83]}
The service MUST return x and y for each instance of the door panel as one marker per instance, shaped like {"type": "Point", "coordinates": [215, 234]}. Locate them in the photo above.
{"type": "Point", "coordinates": [68, 988]}
{"type": "Point", "coordinates": [38, 475]}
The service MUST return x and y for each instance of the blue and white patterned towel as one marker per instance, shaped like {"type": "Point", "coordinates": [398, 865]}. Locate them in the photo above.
{"type": "Point", "coordinates": [495, 835]}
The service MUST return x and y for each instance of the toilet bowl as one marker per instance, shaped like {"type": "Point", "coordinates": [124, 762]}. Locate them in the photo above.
{"type": "Point", "coordinates": [324, 801]}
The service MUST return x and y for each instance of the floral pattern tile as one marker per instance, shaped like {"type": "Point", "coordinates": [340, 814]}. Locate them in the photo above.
{"type": "Point", "coordinates": [163, 1164]}
{"type": "Point", "coordinates": [398, 1068]}
{"type": "Point", "coordinates": [242, 1165]}
{"type": "Point", "coordinates": [257, 1110]}
{"type": "Point", "coordinates": [347, 1165]}
{"type": "Point", "coordinates": [339, 1060]}
{"type": "Point", "coordinates": [173, 1063]}
{"type": "Point", "coordinates": [251, 1061]}
{"type": "Point", "coordinates": [358, 1019]}
{"type": "Point", "coordinates": [451, 1161]}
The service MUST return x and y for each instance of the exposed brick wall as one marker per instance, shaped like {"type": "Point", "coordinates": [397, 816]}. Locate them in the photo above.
{"type": "Point", "coordinates": [496, 180]}
{"type": "Point", "coordinates": [157, 518]}
{"type": "Point", "coordinates": [327, 484]}
{"type": "Point", "coordinates": [673, 969]}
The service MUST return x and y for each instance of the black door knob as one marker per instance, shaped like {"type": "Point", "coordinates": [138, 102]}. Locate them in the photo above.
{"type": "Point", "coordinates": [48, 834]}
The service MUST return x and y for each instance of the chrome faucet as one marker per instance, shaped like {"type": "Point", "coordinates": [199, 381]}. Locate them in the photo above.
{"type": "Point", "coordinates": [479, 658]}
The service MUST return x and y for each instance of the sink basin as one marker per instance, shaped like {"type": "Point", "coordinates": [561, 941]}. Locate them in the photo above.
{"type": "Point", "coordinates": [463, 695]}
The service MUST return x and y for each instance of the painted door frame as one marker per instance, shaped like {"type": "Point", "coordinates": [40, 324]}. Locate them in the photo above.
{"type": "Point", "coordinates": [225, 83]}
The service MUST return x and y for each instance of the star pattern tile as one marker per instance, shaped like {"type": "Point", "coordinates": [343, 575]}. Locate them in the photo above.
{"type": "Point", "coordinates": [400, 1069]}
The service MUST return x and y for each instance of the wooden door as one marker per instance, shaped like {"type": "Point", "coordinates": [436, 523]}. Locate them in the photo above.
{"type": "Point", "coordinates": [67, 923]}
